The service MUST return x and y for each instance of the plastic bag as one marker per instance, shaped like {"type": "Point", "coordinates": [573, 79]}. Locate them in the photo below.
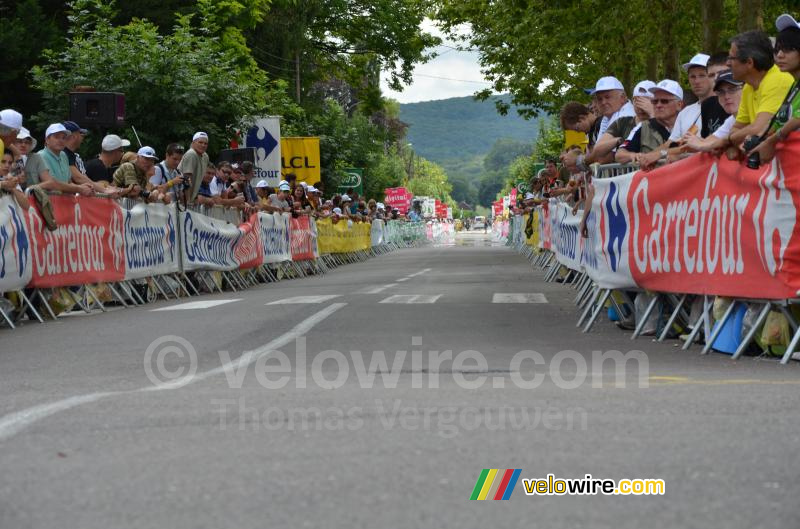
{"type": "Point", "coordinates": [721, 304]}
{"type": "Point", "coordinates": [775, 335]}
{"type": "Point", "coordinates": [750, 317]}
{"type": "Point", "coordinates": [61, 301]}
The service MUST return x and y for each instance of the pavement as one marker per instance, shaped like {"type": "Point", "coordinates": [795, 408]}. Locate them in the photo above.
{"type": "Point", "coordinates": [373, 396]}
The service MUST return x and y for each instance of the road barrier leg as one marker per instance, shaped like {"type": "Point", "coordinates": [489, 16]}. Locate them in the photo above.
{"type": "Point", "coordinates": [720, 324]}
{"type": "Point", "coordinates": [791, 348]}
{"type": "Point", "coordinates": [158, 287]}
{"type": "Point", "coordinates": [697, 324]}
{"type": "Point", "coordinates": [790, 317]}
{"type": "Point", "coordinates": [596, 312]}
{"type": "Point", "coordinates": [589, 305]}
{"type": "Point", "coordinates": [117, 295]}
{"type": "Point", "coordinates": [762, 316]}
{"type": "Point", "coordinates": [45, 303]}
{"type": "Point", "coordinates": [27, 302]}
{"type": "Point", "coordinates": [672, 318]}
{"type": "Point", "coordinates": [190, 284]}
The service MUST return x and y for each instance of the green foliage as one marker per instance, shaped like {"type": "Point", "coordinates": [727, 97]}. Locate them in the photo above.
{"type": "Point", "coordinates": [429, 180]}
{"type": "Point", "coordinates": [550, 141]}
{"type": "Point", "coordinates": [504, 151]}
{"type": "Point", "coordinates": [385, 170]}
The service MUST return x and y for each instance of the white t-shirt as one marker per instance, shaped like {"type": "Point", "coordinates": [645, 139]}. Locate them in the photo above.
{"type": "Point", "coordinates": [725, 129]}
{"type": "Point", "coordinates": [686, 118]}
{"type": "Point", "coordinates": [217, 186]}
{"type": "Point", "coordinates": [626, 110]}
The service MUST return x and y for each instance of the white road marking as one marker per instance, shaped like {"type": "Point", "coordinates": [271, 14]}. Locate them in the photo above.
{"type": "Point", "coordinates": [419, 298]}
{"type": "Point", "coordinates": [425, 271]}
{"type": "Point", "coordinates": [519, 298]}
{"type": "Point", "coordinates": [402, 279]}
{"type": "Point", "coordinates": [301, 300]}
{"type": "Point", "coordinates": [197, 305]}
{"type": "Point", "coordinates": [13, 423]}
{"type": "Point", "coordinates": [377, 290]}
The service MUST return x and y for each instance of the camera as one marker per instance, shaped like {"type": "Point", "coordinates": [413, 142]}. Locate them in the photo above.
{"type": "Point", "coordinates": [144, 194]}
{"type": "Point", "coordinates": [754, 160]}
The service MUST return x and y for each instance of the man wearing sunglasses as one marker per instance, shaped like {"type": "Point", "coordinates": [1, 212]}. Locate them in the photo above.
{"type": "Point", "coordinates": [653, 133]}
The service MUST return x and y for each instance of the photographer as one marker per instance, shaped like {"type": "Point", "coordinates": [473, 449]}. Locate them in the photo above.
{"type": "Point", "coordinates": [167, 178]}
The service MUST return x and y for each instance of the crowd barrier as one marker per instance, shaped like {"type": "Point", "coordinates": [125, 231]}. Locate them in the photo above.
{"type": "Point", "coordinates": [137, 252]}
{"type": "Point", "coordinates": [692, 231]}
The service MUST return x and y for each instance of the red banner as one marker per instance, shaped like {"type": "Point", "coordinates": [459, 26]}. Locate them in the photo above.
{"type": "Point", "coordinates": [711, 225]}
{"type": "Point", "coordinates": [399, 198]}
{"type": "Point", "coordinates": [497, 207]}
{"type": "Point", "coordinates": [303, 239]}
{"type": "Point", "coordinates": [87, 247]}
{"type": "Point", "coordinates": [249, 252]}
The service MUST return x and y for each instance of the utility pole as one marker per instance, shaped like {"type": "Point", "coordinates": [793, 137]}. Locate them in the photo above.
{"type": "Point", "coordinates": [297, 74]}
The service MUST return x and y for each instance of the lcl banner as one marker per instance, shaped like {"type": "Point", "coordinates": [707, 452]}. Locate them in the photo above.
{"type": "Point", "coordinates": [704, 225]}
{"type": "Point", "coordinates": [88, 246]}
{"type": "Point", "coordinates": [16, 267]}
{"type": "Point", "coordinates": [301, 157]}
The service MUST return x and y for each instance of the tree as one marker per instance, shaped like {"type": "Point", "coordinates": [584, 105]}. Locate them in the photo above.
{"type": "Point", "coordinates": [503, 152]}
{"type": "Point", "coordinates": [429, 180]}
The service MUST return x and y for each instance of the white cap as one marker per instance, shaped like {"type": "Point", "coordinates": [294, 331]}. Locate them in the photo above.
{"type": "Point", "coordinates": [304, 184]}
{"type": "Point", "coordinates": [112, 142]}
{"type": "Point", "coordinates": [147, 152]}
{"type": "Point", "coordinates": [337, 211]}
{"type": "Point", "coordinates": [198, 135]}
{"type": "Point", "coordinates": [701, 59]}
{"type": "Point", "coordinates": [786, 21]}
{"type": "Point", "coordinates": [668, 85]}
{"type": "Point", "coordinates": [11, 119]}
{"type": "Point", "coordinates": [380, 205]}
{"type": "Point", "coordinates": [529, 195]}
{"type": "Point", "coordinates": [54, 129]}
{"type": "Point", "coordinates": [311, 189]}
{"type": "Point", "coordinates": [282, 183]}
{"type": "Point", "coordinates": [284, 186]}
{"type": "Point", "coordinates": [608, 83]}
{"type": "Point", "coordinates": [25, 134]}
{"type": "Point", "coordinates": [346, 198]}
{"type": "Point", "coordinates": [642, 89]}
{"type": "Point", "coordinates": [262, 183]}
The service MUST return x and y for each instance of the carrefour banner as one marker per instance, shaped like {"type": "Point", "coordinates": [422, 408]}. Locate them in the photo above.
{"type": "Point", "coordinates": [88, 245]}
{"type": "Point", "coordinates": [275, 238]}
{"type": "Point", "coordinates": [265, 137]}
{"type": "Point", "coordinates": [703, 226]}
{"type": "Point", "coordinates": [565, 236]}
{"type": "Point", "coordinates": [304, 239]}
{"type": "Point", "coordinates": [208, 244]}
{"type": "Point", "coordinates": [16, 267]}
{"type": "Point", "coordinates": [151, 241]}
{"type": "Point", "coordinates": [248, 251]}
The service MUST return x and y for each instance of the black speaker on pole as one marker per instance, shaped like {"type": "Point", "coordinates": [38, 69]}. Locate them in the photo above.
{"type": "Point", "coordinates": [237, 155]}
{"type": "Point", "coordinates": [97, 109]}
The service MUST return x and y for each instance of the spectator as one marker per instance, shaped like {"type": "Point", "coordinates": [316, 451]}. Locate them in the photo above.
{"type": "Point", "coordinates": [11, 183]}
{"type": "Point", "coordinates": [751, 61]}
{"type": "Point", "coordinates": [380, 211]}
{"type": "Point", "coordinates": [247, 177]}
{"type": "Point", "coordinates": [280, 200]}
{"type": "Point", "coordinates": [787, 58]}
{"type": "Point", "coordinates": [667, 102]}
{"type": "Point", "coordinates": [729, 94]}
{"type": "Point", "coordinates": [194, 162]}
{"type": "Point", "coordinates": [58, 176]}
{"type": "Point", "coordinates": [10, 126]}
{"type": "Point", "coordinates": [25, 144]}
{"type": "Point", "coordinates": [312, 194]}
{"type": "Point", "coordinates": [291, 178]}
{"type": "Point", "coordinates": [611, 101]}
{"type": "Point", "coordinates": [300, 204]}
{"type": "Point", "coordinates": [264, 191]}
{"type": "Point", "coordinates": [167, 178]}
{"type": "Point", "coordinates": [73, 143]}
{"type": "Point", "coordinates": [221, 182]}
{"type": "Point", "coordinates": [713, 115]}
{"type": "Point", "coordinates": [241, 185]}
{"type": "Point", "coordinates": [135, 175]}
{"type": "Point", "coordinates": [102, 168]}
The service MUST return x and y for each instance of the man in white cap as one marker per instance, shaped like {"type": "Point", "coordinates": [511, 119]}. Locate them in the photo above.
{"type": "Point", "coordinates": [101, 169]}
{"type": "Point", "coordinates": [280, 200]}
{"type": "Point", "coordinates": [667, 103]}
{"type": "Point", "coordinates": [136, 174]}
{"type": "Point", "coordinates": [25, 144]}
{"type": "Point", "coordinates": [611, 102]}
{"type": "Point", "coordinates": [194, 163]}
{"type": "Point", "coordinates": [58, 177]}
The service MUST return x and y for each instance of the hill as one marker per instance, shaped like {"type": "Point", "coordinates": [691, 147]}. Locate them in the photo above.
{"type": "Point", "coordinates": [462, 127]}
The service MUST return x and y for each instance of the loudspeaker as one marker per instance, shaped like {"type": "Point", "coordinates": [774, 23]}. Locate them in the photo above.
{"type": "Point", "coordinates": [237, 155]}
{"type": "Point", "coordinates": [97, 109]}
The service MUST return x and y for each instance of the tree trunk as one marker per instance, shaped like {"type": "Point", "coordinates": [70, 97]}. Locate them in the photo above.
{"type": "Point", "coordinates": [712, 12]}
{"type": "Point", "coordinates": [751, 15]}
{"type": "Point", "coordinates": [652, 67]}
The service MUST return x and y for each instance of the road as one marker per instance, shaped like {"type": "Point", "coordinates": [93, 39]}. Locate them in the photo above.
{"type": "Point", "coordinates": [284, 421]}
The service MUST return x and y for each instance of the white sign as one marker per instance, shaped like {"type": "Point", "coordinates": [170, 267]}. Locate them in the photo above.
{"type": "Point", "coordinates": [265, 138]}
{"type": "Point", "coordinates": [15, 247]}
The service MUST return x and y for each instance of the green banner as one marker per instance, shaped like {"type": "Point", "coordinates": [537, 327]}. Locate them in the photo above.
{"type": "Point", "coordinates": [353, 179]}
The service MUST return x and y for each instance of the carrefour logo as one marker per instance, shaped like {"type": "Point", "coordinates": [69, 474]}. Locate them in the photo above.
{"type": "Point", "coordinates": [259, 138]}
{"type": "Point", "coordinates": [616, 226]}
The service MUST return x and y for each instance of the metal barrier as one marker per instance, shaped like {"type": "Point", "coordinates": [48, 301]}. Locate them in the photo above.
{"type": "Point", "coordinates": [612, 169]}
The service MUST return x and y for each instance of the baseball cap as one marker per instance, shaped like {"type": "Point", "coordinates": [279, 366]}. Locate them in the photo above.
{"type": "Point", "coordinates": [668, 85]}
{"type": "Point", "coordinates": [726, 76]}
{"type": "Point", "coordinates": [786, 21]}
{"type": "Point", "coordinates": [262, 183]}
{"type": "Point", "coordinates": [304, 184]}
{"type": "Point", "coordinates": [112, 142]}
{"type": "Point", "coordinates": [74, 127]}
{"type": "Point", "coordinates": [642, 89]}
{"type": "Point", "coordinates": [147, 152]}
{"type": "Point", "coordinates": [346, 198]}
{"type": "Point", "coordinates": [529, 196]}
{"type": "Point", "coordinates": [701, 59]}
{"type": "Point", "coordinates": [311, 189]}
{"type": "Point", "coordinates": [337, 211]}
{"type": "Point", "coordinates": [25, 134]}
{"type": "Point", "coordinates": [198, 135]}
{"type": "Point", "coordinates": [608, 83]}
{"type": "Point", "coordinates": [284, 187]}
{"type": "Point", "coordinates": [54, 129]}
{"type": "Point", "coordinates": [380, 205]}
{"type": "Point", "coordinates": [11, 119]}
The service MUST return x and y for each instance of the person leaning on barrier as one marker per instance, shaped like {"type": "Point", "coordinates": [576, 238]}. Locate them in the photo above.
{"type": "Point", "coordinates": [751, 60]}
{"type": "Point", "coordinates": [25, 144]}
{"type": "Point", "coordinates": [729, 94]}
{"type": "Point", "coordinates": [193, 164]}
{"type": "Point", "coordinates": [135, 176]}
{"type": "Point", "coordinates": [205, 197]}
{"type": "Point", "coordinates": [220, 184]}
{"type": "Point", "coordinates": [102, 168]}
{"type": "Point", "coordinates": [787, 58]}
{"type": "Point", "coordinates": [10, 126]}
{"type": "Point", "coordinates": [58, 176]}
{"type": "Point", "coordinates": [167, 178]}
{"type": "Point", "coordinates": [667, 102]}
{"type": "Point", "coordinates": [263, 190]}
{"type": "Point", "coordinates": [281, 200]}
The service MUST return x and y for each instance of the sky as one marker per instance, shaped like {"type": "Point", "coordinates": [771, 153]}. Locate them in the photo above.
{"type": "Point", "coordinates": [460, 70]}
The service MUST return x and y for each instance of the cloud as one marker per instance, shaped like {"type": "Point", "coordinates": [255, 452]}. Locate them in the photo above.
{"type": "Point", "coordinates": [453, 73]}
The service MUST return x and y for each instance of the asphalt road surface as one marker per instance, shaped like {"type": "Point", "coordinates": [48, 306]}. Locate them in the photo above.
{"type": "Point", "coordinates": [270, 408]}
